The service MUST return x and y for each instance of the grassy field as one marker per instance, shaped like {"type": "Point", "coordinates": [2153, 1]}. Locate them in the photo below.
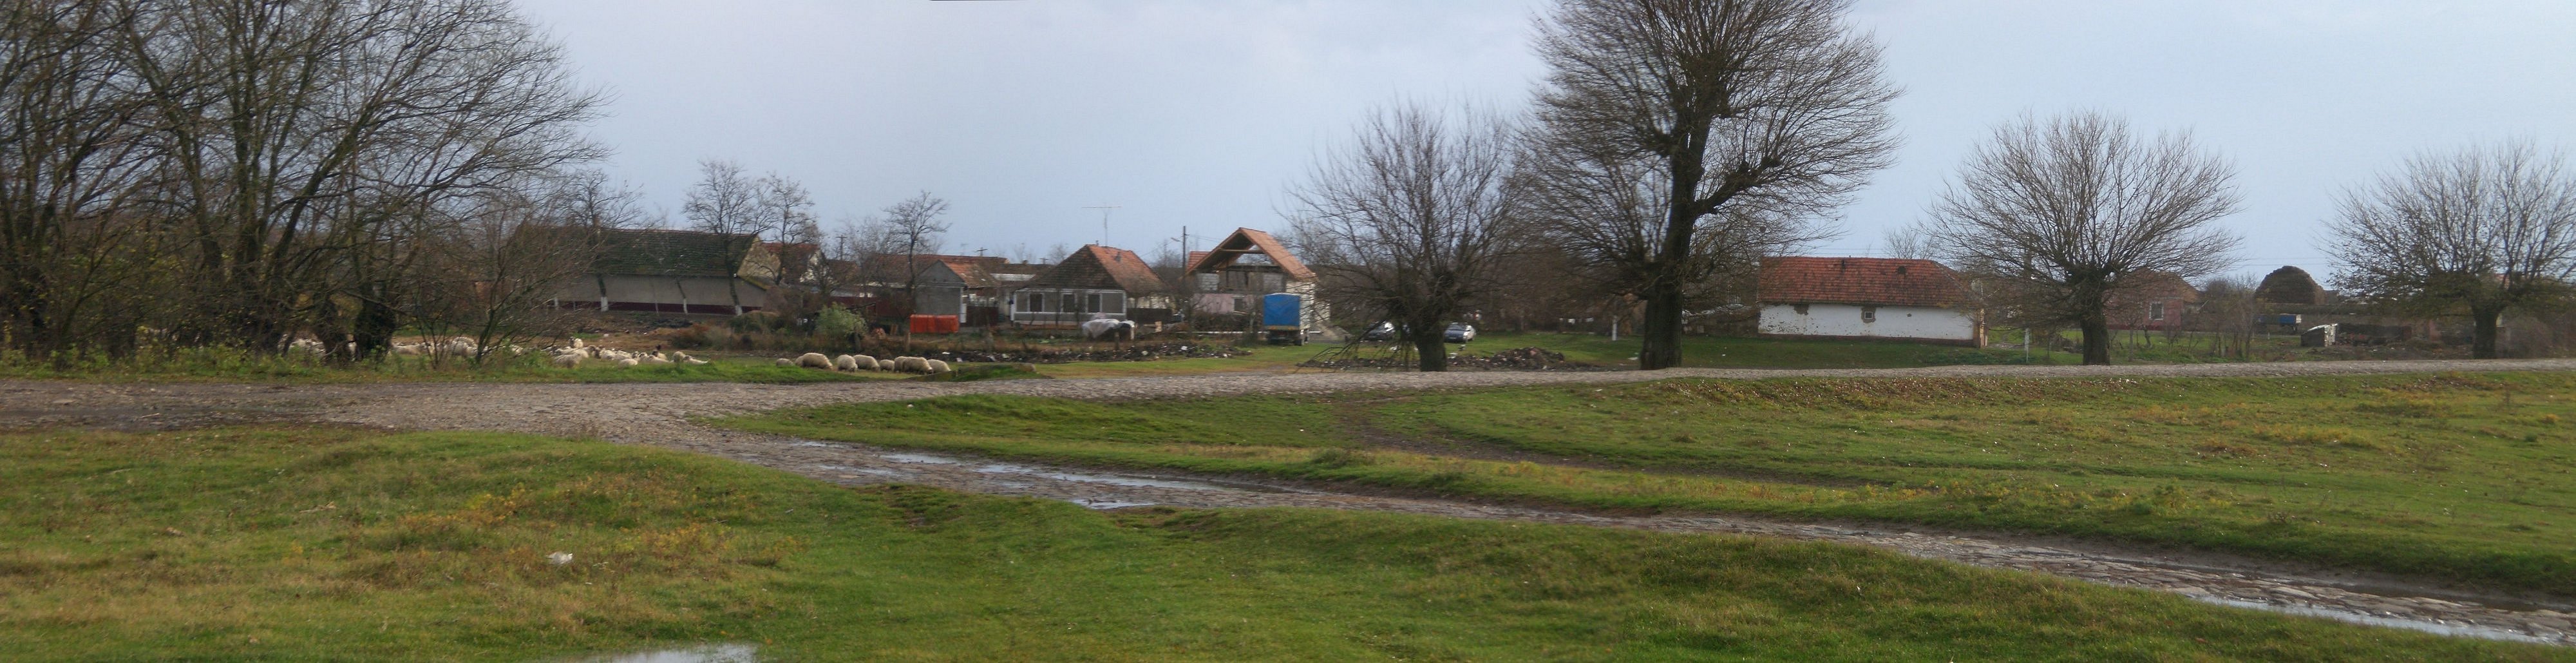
{"type": "Point", "coordinates": [224, 365]}
{"type": "Point", "coordinates": [2459, 477]}
{"type": "Point", "coordinates": [334, 544]}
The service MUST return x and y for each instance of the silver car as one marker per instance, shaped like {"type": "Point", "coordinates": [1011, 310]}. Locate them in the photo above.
{"type": "Point", "coordinates": [1459, 332]}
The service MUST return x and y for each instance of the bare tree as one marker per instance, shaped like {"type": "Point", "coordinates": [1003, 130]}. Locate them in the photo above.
{"type": "Point", "coordinates": [1906, 241]}
{"type": "Point", "coordinates": [2061, 215]}
{"type": "Point", "coordinates": [1410, 217]}
{"type": "Point", "coordinates": [73, 158]}
{"type": "Point", "coordinates": [493, 271]}
{"type": "Point", "coordinates": [2481, 231]}
{"type": "Point", "coordinates": [2229, 312]}
{"type": "Point", "coordinates": [911, 229]}
{"type": "Point", "coordinates": [1664, 122]}
{"type": "Point", "coordinates": [590, 202]}
{"type": "Point", "coordinates": [726, 203]}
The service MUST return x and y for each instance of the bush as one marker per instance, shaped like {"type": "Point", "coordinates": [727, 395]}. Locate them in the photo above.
{"type": "Point", "coordinates": [835, 322]}
{"type": "Point", "coordinates": [756, 322]}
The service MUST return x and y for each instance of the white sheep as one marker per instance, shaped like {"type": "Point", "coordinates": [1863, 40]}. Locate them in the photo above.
{"type": "Point", "coordinates": [934, 366]}
{"type": "Point", "coordinates": [814, 360]}
{"type": "Point", "coordinates": [693, 361]}
{"type": "Point", "coordinates": [627, 363]}
{"type": "Point", "coordinates": [567, 360]}
{"type": "Point", "coordinates": [847, 363]}
{"type": "Point", "coordinates": [886, 365]}
{"type": "Point", "coordinates": [655, 360]}
{"type": "Point", "coordinates": [864, 362]}
{"type": "Point", "coordinates": [576, 344]}
{"type": "Point", "coordinates": [790, 363]}
{"type": "Point", "coordinates": [912, 364]}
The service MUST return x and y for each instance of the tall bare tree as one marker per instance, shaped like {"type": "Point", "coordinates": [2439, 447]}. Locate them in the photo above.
{"type": "Point", "coordinates": [726, 203]}
{"type": "Point", "coordinates": [73, 158]}
{"type": "Point", "coordinates": [1410, 217]}
{"type": "Point", "coordinates": [1676, 133]}
{"type": "Point", "coordinates": [2480, 232]}
{"type": "Point", "coordinates": [911, 229]}
{"type": "Point", "coordinates": [589, 201]}
{"type": "Point", "coordinates": [2059, 216]}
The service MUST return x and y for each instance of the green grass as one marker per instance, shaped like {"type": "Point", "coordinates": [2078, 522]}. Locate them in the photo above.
{"type": "Point", "coordinates": [1737, 352]}
{"type": "Point", "coordinates": [227, 365]}
{"type": "Point", "coordinates": [335, 544]}
{"type": "Point", "coordinates": [2457, 477]}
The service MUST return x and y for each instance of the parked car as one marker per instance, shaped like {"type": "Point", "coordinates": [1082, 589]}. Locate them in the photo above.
{"type": "Point", "coordinates": [1459, 332]}
{"type": "Point", "coordinates": [1384, 331]}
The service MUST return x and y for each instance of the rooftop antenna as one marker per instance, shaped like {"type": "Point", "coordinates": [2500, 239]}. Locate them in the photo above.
{"type": "Point", "coordinates": [1104, 220]}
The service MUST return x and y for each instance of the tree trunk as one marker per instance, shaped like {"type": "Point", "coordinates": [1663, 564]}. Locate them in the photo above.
{"type": "Point", "coordinates": [1433, 350]}
{"type": "Point", "coordinates": [2482, 341]}
{"type": "Point", "coordinates": [2097, 338]}
{"type": "Point", "coordinates": [1662, 327]}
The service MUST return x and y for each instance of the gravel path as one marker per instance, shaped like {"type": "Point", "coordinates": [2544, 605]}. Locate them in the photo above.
{"type": "Point", "coordinates": [657, 414]}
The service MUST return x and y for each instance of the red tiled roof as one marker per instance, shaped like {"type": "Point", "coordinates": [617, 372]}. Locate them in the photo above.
{"type": "Point", "coordinates": [1868, 281]}
{"type": "Point", "coordinates": [1247, 240]}
{"type": "Point", "coordinates": [974, 270]}
{"type": "Point", "coordinates": [1096, 266]}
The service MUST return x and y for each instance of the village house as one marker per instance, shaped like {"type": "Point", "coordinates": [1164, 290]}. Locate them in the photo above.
{"type": "Point", "coordinates": [1096, 281]}
{"type": "Point", "coordinates": [668, 271]}
{"type": "Point", "coordinates": [962, 286]}
{"type": "Point", "coordinates": [1866, 298]}
{"type": "Point", "coordinates": [1248, 264]}
{"type": "Point", "coordinates": [2150, 301]}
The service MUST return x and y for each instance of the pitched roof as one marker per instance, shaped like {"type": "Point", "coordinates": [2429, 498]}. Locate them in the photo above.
{"type": "Point", "coordinates": [657, 252]}
{"type": "Point", "coordinates": [1868, 281]}
{"type": "Point", "coordinates": [1248, 241]}
{"type": "Point", "coordinates": [976, 271]}
{"type": "Point", "coordinates": [1101, 267]}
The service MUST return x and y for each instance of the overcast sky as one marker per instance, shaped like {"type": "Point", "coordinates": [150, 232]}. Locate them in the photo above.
{"type": "Point", "coordinates": [1024, 113]}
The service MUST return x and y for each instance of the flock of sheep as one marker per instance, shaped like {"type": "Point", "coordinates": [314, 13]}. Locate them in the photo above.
{"type": "Point", "coordinates": [852, 363]}
{"type": "Point", "coordinates": [573, 355]}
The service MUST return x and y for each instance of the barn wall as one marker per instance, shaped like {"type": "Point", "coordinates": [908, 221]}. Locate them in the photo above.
{"type": "Point", "coordinates": [1894, 322]}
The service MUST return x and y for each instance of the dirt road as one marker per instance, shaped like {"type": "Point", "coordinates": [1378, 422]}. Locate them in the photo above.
{"type": "Point", "coordinates": [658, 414]}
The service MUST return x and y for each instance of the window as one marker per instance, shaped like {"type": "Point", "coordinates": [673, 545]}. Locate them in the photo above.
{"type": "Point", "coordinates": [1869, 314]}
{"type": "Point", "coordinates": [1034, 302]}
{"type": "Point", "coordinates": [1800, 308]}
{"type": "Point", "coordinates": [1207, 281]}
{"type": "Point", "coordinates": [1091, 302]}
{"type": "Point", "coordinates": [2155, 310]}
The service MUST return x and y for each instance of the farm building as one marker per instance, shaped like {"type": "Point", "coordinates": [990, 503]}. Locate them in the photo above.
{"type": "Point", "coordinates": [669, 271]}
{"type": "Point", "coordinates": [2150, 301]}
{"type": "Point", "coordinates": [1095, 281]}
{"type": "Point", "coordinates": [1867, 298]}
{"type": "Point", "coordinates": [1248, 264]}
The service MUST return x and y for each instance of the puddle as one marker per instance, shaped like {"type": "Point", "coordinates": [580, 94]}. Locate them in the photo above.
{"type": "Point", "coordinates": [715, 653]}
{"type": "Point", "coordinates": [2438, 628]}
{"type": "Point", "coordinates": [810, 443]}
{"type": "Point", "coordinates": [926, 459]}
{"type": "Point", "coordinates": [1105, 479]}
{"type": "Point", "coordinates": [871, 471]}
{"type": "Point", "coordinates": [1108, 504]}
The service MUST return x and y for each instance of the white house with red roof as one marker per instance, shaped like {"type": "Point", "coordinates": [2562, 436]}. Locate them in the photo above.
{"type": "Point", "coordinates": [1867, 298]}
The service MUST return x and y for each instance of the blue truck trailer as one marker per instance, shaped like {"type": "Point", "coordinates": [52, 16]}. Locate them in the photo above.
{"type": "Point", "coordinates": [1282, 318]}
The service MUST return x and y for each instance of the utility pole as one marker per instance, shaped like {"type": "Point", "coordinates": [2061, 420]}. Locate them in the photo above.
{"type": "Point", "coordinates": [1104, 220]}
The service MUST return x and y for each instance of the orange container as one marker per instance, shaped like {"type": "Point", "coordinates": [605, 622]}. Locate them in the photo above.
{"type": "Point", "coordinates": [934, 324]}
